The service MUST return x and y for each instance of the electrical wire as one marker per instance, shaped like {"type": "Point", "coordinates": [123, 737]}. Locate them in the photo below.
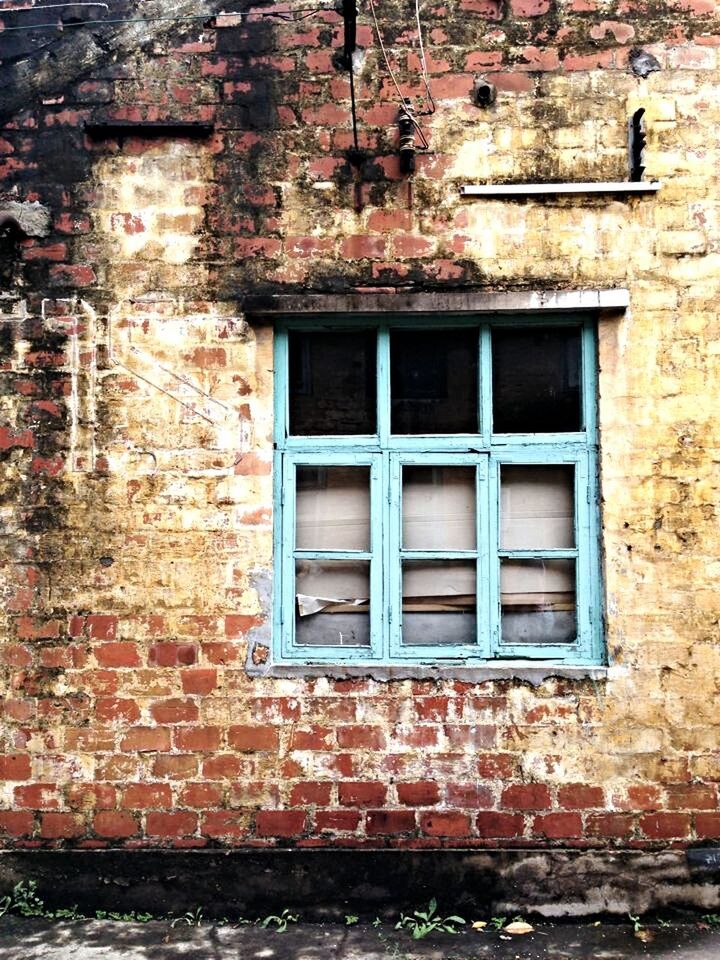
{"type": "Point", "coordinates": [423, 61]}
{"type": "Point", "coordinates": [403, 99]}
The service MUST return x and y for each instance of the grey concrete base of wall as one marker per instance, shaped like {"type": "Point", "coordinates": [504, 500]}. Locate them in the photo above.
{"type": "Point", "coordinates": [327, 884]}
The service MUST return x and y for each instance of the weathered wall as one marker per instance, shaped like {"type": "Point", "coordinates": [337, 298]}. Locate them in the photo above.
{"type": "Point", "coordinates": [137, 446]}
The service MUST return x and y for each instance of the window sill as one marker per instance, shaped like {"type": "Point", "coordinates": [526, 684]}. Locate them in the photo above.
{"type": "Point", "coordinates": [529, 671]}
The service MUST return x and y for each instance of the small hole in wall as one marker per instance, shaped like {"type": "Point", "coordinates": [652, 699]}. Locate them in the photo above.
{"type": "Point", "coordinates": [106, 561]}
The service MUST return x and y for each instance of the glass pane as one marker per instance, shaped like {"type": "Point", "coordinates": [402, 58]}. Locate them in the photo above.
{"type": "Point", "coordinates": [536, 380]}
{"type": "Point", "coordinates": [333, 508]}
{"type": "Point", "coordinates": [332, 383]}
{"type": "Point", "coordinates": [438, 505]}
{"type": "Point", "coordinates": [538, 601]}
{"type": "Point", "coordinates": [537, 507]}
{"type": "Point", "coordinates": [438, 602]}
{"type": "Point", "coordinates": [434, 381]}
{"type": "Point", "coordinates": [332, 603]}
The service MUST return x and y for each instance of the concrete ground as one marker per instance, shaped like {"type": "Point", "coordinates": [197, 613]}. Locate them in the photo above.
{"type": "Point", "coordinates": [22, 939]}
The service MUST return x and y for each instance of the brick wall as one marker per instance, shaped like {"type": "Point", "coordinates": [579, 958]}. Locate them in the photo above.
{"type": "Point", "coordinates": [137, 428]}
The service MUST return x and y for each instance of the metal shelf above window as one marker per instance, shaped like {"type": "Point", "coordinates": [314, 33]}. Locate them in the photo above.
{"type": "Point", "coordinates": [553, 189]}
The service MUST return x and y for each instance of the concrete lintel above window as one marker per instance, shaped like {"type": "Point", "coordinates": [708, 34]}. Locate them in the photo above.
{"type": "Point", "coordinates": [457, 302]}
{"type": "Point", "coordinates": [552, 189]}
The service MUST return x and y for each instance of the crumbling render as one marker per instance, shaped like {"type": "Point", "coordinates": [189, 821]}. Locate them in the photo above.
{"type": "Point", "coordinates": [33, 219]}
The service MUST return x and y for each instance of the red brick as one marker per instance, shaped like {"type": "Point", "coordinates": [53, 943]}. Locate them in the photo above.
{"type": "Point", "coordinates": [371, 738]}
{"type": "Point", "coordinates": [174, 711]}
{"type": "Point", "coordinates": [236, 624]}
{"type": "Point", "coordinates": [178, 824]}
{"type": "Point", "coordinates": [707, 826]}
{"type": "Point", "coordinates": [280, 823]}
{"type": "Point", "coordinates": [609, 825]}
{"type": "Point", "coordinates": [453, 87]}
{"type": "Point", "coordinates": [362, 794]}
{"type": "Point", "coordinates": [175, 767]}
{"type": "Point", "coordinates": [225, 824]}
{"type": "Point", "coordinates": [472, 795]}
{"type": "Point", "coordinates": [143, 739]}
{"type": "Point", "coordinates": [53, 251]}
{"type": "Point", "coordinates": [484, 60]}
{"type": "Point", "coordinates": [200, 682]}
{"type": "Point", "coordinates": [222, 766]}
{"type": "Point", "coordinates": [197, 738]}
{"type": "Point", "coordinates": [390, 220]}
{"type": "Point", "coordinates": [73, 276]}
{"type": "Point", "coordinates": [312, 738]}
{"type": "Point", "coordinates": [311, 792]}
{"type": "Point", "coordinates": [432, 708]}
{"type": "Point", "coordinates": [112, 824]}
{"type": "Point", "coordinates": [70, 223]}
{"type": "Point", "coordinates": [118, 766]}
{"type": "Point", "coordinates": [19, 710]}
{"type": "Point", "coordinates": [108, 709]}
{"type": "Point", "coordinates": [529, 8]}
{"type": "Point", "coordinates": [490, 823]}
{"type": "Point", "coordinates": [512, 82]}
{"type": "Point", "coordinates": [577, 796]}
{"type": "Point", "coordinates": [92, 796]}
{"type": "Point", "coordinates": [390, 822]}
{"type": "Point", "coordinates": [539, 59]}
{"type": "Point", "coordinates": [257, 247]}
{"type": "Point", "coordinates": [102, 627]}
{"type": "Point", "coordinates": [526, 796]}
{"type": "Point", "coordinates": [15, 655]}
{"type": "Point", "coordinates": [361, 246]}
{"type": "Point", "coordinates": [31, 629]}
{"type": "Point", "coordinates": [420, 735]}
{"type": "Point", "coordinates": [173, 654]}
{"type": "Point", "coordinates": [555, 826]}
{"type": "Point", "coordinates": [477, 736]}
{"type": "Point", "coordinates": [407, 245]}
{"type": "Point", "coordinates": [200, 795]}
{"type": "Point", "coordinates": [15, 766]}
{"type": "Point", "coordinates": [248, 738]}
{"type": "Point", "coordinates": [646, 797]}
{"type": "Point", "coordinates": [419, 794]}
{"type": "Point", "coordinates": [144, 796]}
{"type": "Point", "coordinates": [601, 59]}
{"type": "Point", "coordinates": [445, 824]}
{"type": "Point", "coordinates": [37, 796]}
{"type": "Point", "coordinates": [9, 438]}
{"type": "Point", "coordinates": [337, 820]}
{"type": "Point", "coordinates": [665, 826]}
{"type": "Point", "coordinates": [697, 796]}
{"type": "Point", "coordinates": [487, 9]}
{"type": "Point", "coordinates": [61, 826]}
{"type": "Point", "coordinates": [117, 655]}
{"type": "Point", "coordinates": [14, 823]}
{"type": "Point", "coordinates": [309, 246]}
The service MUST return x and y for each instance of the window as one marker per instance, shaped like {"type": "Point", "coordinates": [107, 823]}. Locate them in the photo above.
{"type": "Point", "coordinates": [436, 490]}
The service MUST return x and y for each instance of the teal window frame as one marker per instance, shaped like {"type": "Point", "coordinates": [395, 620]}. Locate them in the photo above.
{"type": "Point", "coordinates": [385, 455]}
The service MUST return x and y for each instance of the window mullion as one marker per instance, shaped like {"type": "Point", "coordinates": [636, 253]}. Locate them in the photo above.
{"type": "Point", "coordinates": [383, 387]}
{"type": "Point", "coordinates": [485, 380]}
{"type": "Point", "coordinates": [391, 557]}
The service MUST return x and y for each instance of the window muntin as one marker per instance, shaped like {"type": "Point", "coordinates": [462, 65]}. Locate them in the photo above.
{"type": "Point", "coordinates": [483, 545]}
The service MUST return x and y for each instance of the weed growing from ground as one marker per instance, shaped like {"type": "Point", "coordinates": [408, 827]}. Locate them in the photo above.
{"type": "Point", "coordinates": [279, 922]}
{"type": "Point", "coordinates": [421, 923]}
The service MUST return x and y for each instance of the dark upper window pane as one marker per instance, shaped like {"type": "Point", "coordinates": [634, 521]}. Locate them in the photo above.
{"type": "Point", "coordinates": [434, 381]}
{"type": "Point", "coordinates": [536, 380]}
{"type": "Point", "coordinates": [332, 383]}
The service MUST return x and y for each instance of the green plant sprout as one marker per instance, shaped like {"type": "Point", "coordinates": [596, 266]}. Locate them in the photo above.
{"type": "Point", "coordinates": [422, 923]}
